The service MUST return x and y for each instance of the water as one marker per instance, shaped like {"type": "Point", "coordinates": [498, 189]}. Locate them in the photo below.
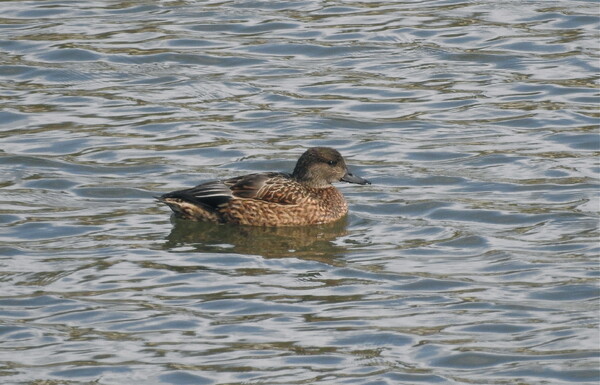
{"type": "Point", "coordinates": [472, 259]}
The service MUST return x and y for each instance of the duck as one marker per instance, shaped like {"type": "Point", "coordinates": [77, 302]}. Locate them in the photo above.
{"type": "Point", "coordinates": [301, 198]}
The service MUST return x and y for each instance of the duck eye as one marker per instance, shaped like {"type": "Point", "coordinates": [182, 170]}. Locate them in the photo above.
{"type": "Point", "coordinates": [332, 162]}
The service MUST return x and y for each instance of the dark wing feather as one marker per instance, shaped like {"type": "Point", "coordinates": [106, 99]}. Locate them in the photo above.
{"type": "Point", "coordinates": [210, 194]}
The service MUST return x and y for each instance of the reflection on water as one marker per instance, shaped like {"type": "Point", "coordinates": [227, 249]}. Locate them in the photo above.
{"type": "Point", "coordinates": [306, 242]}
{"type": "Point", "coordinates": [472, 259]}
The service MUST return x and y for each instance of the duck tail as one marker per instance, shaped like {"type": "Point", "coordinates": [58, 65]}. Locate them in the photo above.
{"type": "Point", "coordinates": [188, 210]}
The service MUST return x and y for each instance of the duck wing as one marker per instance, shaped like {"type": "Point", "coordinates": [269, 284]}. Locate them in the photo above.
{"type": "Point", "coordinates": [269, 187]}
{"type": "Point", "coordinates": [209, 195]}
{"type": "Point", "coordinates": [274, 187]}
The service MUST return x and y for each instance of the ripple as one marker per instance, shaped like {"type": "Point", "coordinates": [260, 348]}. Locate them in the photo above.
{"type": "Point", "coordinates": [471, 259]}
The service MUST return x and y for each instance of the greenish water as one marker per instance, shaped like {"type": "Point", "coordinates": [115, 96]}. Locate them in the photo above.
{"type": "Point", "coordinates": [471, 259]}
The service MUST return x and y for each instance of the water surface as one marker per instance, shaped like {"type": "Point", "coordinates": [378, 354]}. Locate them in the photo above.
{"type": "Point", "coordinates": [471, 259]}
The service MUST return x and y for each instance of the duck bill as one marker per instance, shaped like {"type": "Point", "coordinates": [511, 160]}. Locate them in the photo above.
{"type": "Point", "coordinates": [348, 177]}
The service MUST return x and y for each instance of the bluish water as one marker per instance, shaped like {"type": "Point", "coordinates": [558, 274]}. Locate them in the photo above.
{"type": "Point", "coordinates": [471, 259]}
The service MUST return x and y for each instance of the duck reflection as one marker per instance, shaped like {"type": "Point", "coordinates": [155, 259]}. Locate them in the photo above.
{"type": "Point", "coordinates": [306, 242]}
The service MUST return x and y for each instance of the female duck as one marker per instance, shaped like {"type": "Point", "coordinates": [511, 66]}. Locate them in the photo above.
{"type": "Point", "coordinates": [305, 197]}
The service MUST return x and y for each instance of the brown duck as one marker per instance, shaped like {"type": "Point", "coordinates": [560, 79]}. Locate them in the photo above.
{"type": "Point", "coordinates": [304, 197]}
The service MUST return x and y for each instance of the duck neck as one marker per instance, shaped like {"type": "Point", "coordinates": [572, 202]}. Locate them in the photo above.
{"type": "Point", "coordinates": [307, 180]}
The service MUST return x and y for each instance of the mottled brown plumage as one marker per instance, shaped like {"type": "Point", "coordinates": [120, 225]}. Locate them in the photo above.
{"type": "Point", "coordinates": [304, 197]}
